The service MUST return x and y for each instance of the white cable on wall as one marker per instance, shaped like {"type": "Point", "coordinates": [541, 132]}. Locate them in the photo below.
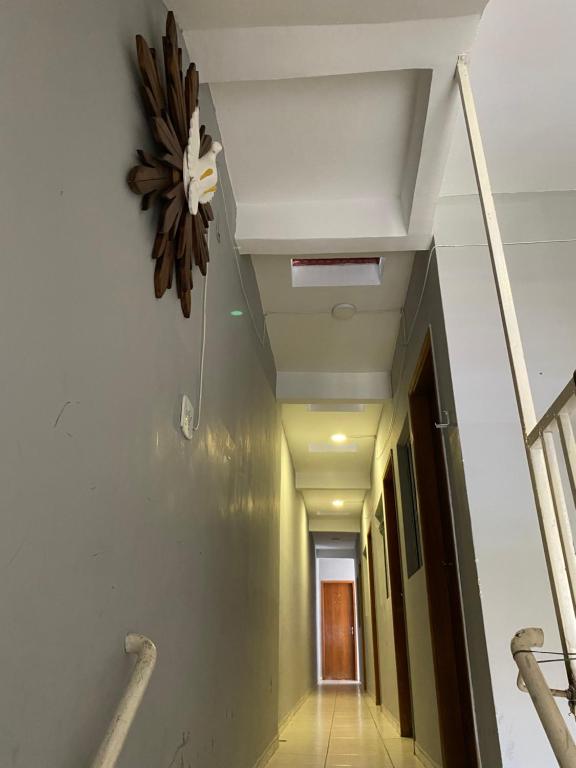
{"type": "Point", "coordinates": [202, 356]}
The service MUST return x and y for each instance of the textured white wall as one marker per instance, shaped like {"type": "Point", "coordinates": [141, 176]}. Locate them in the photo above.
{"type": "Point", "coordinates": [297, 589]}
{"type": "Point", "coordinates": [109, 520]}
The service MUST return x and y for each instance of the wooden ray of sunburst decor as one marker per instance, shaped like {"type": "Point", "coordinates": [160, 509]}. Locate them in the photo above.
{"type": "Point", "coordinates": [181, 176]}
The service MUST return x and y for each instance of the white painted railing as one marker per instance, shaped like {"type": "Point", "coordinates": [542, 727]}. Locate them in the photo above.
{"type": "Point", "coordinates": [115, 737]}
{"type": "Point", "coordinates": [545, 471]}
{"type": "Point", "coordinates": [531, 679]}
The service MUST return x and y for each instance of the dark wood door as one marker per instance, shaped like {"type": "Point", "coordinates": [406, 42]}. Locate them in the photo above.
{"type": "Point", "coordinates": [455, 713]}
{"type": "Point", "coordinates": [373, 620]}
{"type": "Point", "coordinates": [338, 638]}
{"type": "Point", "coordinates": [398, 607]}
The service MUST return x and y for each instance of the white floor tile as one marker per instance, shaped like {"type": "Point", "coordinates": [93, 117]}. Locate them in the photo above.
{"type": "Point", "coordinates": [339, 727]}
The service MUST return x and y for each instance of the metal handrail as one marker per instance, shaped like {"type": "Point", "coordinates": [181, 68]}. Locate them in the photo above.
{"type": "Point", "coordinates": [125, 713]}
{"type": "Point", "coordinates": [534, 682]}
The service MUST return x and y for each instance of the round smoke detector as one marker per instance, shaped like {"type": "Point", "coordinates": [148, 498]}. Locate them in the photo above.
{"type": "Point", "coordinates": [343, 311]}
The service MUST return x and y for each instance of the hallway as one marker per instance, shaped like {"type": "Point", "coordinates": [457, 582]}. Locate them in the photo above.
{"type": "Point", "coordinates": [339, 727]}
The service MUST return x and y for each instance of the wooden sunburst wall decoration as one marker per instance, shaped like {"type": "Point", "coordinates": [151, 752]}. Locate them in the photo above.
{"type": "Point", "coordinates": [181, 176]}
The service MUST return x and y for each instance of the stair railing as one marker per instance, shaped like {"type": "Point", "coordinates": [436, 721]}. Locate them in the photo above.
{"type": "Point", "coordinates": [543, 463]}
{"type": "Point", "coordinates": [113, 741]}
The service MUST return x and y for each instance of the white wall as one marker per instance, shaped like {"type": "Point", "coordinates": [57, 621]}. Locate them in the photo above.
{"type": "Point", "coordinates": [502, 571]}
{"type": "Point", "coordinates": [110, 521]}
{"type": "Point", "coordinates": [333, 568]}
{"type": "Point", "coordinates": [509, 556]}
{"type": "Point", "coordinates": [297, 594]}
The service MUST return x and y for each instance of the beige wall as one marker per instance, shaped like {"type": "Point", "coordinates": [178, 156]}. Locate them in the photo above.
{"type": "Point", "coordinates": [296, 641]}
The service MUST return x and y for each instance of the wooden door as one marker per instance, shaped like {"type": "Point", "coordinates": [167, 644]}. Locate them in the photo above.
{"type": "Point", "coordinates": [338, 637]}
{"type": "Point", "coordinates": [398, 606]}
{"type": "Point", "coordinates": [373, 620]}
{"type": "Point", "coordinates": [455, 713]}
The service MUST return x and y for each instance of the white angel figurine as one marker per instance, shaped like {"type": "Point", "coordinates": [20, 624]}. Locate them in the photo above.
{"type": "Point", "coordinates": [200, 173]}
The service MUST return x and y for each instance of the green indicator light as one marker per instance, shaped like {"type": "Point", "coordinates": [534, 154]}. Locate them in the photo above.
{"type": "Point", "coordinates": [236, 313]}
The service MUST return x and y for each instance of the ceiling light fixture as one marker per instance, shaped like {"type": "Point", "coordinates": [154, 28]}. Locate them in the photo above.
{"type": "Point", "coordinates": [339, 437]}
{"type": "Point", "coordinates": [338, 503]}
{"type": "Point", "coordinates": [343, 311]}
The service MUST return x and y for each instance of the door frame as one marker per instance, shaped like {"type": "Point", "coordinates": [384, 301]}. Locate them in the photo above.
{"type": "Point", "coordinates": [352, 584]}
{"type": "Point", "coordinates": [360, 624]}
{"type": "Point", "coordinates": [398, 601]}
{"type": "Point", "coordinates": [373, 619]}
{"type": "Point", "coordinates": [449, 649]}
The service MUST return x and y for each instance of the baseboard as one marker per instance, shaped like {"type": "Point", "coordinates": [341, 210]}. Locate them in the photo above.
{"type": "Point", "coordinates": [286, 719]}
{"type": "Point", "coordinates": [425, 758]}
{"type": "Point", "coordinates": [267, 754]}
{"type": "Point", "coordinates": [273, 746]}
{"type": "Point", "coordinates": [390, 717]}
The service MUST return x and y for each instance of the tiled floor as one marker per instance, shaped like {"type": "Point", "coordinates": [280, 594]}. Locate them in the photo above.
{"type": "Point", "coordinates": [338, 727]}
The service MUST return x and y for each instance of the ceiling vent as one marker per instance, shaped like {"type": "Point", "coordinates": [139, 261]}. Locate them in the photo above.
{"type": "Point", "coordinates": [326, 273]}
{"type": "Point", "coordinates": [336, 407]}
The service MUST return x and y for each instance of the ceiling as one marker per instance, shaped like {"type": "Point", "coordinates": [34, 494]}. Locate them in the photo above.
{"type": "Point", "coordinates": [264, 13]}
{"type": "Point", "coordinates": [326, 471]}
{"type": "Point", "coordinates": [336, 120]}
{"type": "Point", "coordinates": [335, 130]}
{"type": "Point", "coordinates": [326, 344]}
{"type": "Point", "coordinates": [330, 544]}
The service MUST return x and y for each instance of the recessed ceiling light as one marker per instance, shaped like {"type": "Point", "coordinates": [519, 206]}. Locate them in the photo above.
{"type": "Point", "coordinates": [337, 503]}
{"type": "Point", "coordinates": [236, 313]}
{"type": "Point", "coordinates": [338, 438]}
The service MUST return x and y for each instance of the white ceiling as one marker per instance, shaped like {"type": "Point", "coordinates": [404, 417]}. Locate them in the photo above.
{"type": "Point", "coordinates": [523, 71]}
{"type": "Point", "coordinates": [335, 134]}
{"type": "Point", "coordinates": [318, 342]}
{"type": "Point", "coordinates": [263, 13]}
{"type": "Point", "coordinates": [305, 336]}
{"type": "Point", "coordinates": [317, 162]}
{"type": "Point", "coordinates": [332, 472]}
{"type": "Point", "coordinates": [277, 294]}
{"type": "Point", "coordinates": [319, 502]}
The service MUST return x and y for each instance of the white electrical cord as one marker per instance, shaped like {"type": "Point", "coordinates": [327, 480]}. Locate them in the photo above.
{"type": "Point", "coordinates": [202, 355]}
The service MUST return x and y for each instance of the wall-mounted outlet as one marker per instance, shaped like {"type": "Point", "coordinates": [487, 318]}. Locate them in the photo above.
{"type": "Point", "coordinates": [187, 417]}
